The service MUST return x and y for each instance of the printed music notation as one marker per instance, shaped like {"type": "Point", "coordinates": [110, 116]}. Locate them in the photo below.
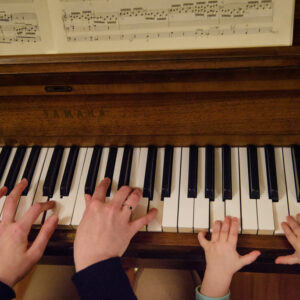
{"type": "Point", "coordinates": [19, 27]}
{"type": "Point", "coordinates": [82, 26]}
{"type": "Point", "coordinates": [185, 19]}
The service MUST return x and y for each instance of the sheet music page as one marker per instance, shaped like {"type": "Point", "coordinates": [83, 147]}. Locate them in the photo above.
{"type": "Point", "coordinates": [134, 25]}
{"type": "Point", "coordinates": [25, 27]}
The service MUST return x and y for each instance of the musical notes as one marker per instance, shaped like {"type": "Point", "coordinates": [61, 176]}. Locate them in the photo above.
{"type": "Point", "coordinates": [183, 19]}
{"type": "Point", "coordinates": [19, 27]}
{"type": "Point", "coordinates": [78, 26]}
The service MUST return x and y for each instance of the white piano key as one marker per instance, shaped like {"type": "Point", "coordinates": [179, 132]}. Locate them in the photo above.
{"type": "Point", "coordinates": [79, 207]}
{"type": "Point", "coordinates": [142, 208]}
{"type": "Point", "coordinates": [22, 168]}
{"type": "Point", "coordinates": [232, 206]}
{"type": "Point", "coordinates": [156, 224]}
{"type": "Point", "coordinates": [264, 204]}
{"type": "Point", "coordinates": [217, 207]}
{"type": "Point", "coordinates": [133, 181]}
{"type": "Point", "coordinates": [248, 206]}
{"type": "Point", "coordinates": [26, 201]}
{"type": "Point", "coordinates": [102, 165]}
{"type": "Point", "coordinates": [280, 208]}
{"type": "Point", "coordinates": [186, 205]}
{"type": "Point", "coordinates": [294, 206]}
{"type": "Point", "coordinates": [65, 205]}
{"type": "Point", "coordinates": [170, 210]}
{"type": "Point", "coordinates": [38, 197]}
{"type": "Point", "coordinates": [201, 209]}
{"type": "Point", "coordinates": [6, 171]}
{"type": "Point", "coordinates": [117, 170]}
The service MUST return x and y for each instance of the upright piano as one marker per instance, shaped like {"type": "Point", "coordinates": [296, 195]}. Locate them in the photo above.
{"type": "Point", "coordinates": [188, 102]}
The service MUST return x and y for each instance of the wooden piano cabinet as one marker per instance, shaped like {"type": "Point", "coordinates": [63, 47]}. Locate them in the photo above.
{"type": "Point", "coordinates": [176, 251]}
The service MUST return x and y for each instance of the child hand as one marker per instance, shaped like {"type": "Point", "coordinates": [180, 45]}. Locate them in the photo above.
{"type": "Point", "coordinates": [291, 230]}
{"type": "Point", "coordinates": [222, 259]}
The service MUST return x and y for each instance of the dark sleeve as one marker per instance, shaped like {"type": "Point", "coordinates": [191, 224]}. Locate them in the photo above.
{"type": "Point", "coordinates": [105, 280]}
{"type": "Point", "coordinates": [6, 292]}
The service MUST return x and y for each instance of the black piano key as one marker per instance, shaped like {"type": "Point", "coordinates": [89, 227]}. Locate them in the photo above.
{"type": "Point", "coordinates": [193, 172]}
{"type": "Point", "coordinates": [52, 173]}
{"type": "Point", "coordinates": [15, 168]}
{"type": "Point", "coordinates": [150, 173]}
{"type": "Point", "coordinates": [4, 156]}
{"type": "Point", "coordinates": [30, 167]}
{"type": "Point", "coordinates": [296, 165]}
{"type": "Point", "coordinates": [271, 173]}
{"type": "Point", "coordinates": [69, 171]}
{"type": "Point", "coordinates": [226, 173]}
{"type": "Point", "coordinates": [253, 172]}
{"type": "Point", "coordinates": [126, 166]}
{"type": "Point", "coordinates": [167, 172]}
{"type": "Point", "coordinates": [110, 167]}
{"type": "Point", "coordinates": [91, 179]}
{"type": "Point", "coordinates": [210, 173]}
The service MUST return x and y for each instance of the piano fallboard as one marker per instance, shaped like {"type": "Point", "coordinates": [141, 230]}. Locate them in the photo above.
{"type": "Point", "coordinates": [175, 250]}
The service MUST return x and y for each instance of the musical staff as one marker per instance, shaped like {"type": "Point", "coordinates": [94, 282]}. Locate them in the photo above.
{"type": "Point", "coordinates": [209, 18]}
{"type": "Point", "coordinates": [19, 27]}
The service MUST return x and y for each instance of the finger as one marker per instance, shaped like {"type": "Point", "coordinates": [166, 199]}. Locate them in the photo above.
{"type": "Point", "coordinates": [298, 218]}
{"type": "Point", "coordinates": [225, 229]}
{"type": "Point", "coordinates": [202, 239]}
{"type": "Point", "coordinates": [143, 221]}
{"type": "Point", "coordinates": [233, 232]}
{"type": "Point", "coordinates": [87, 199]}
{"type": "Point", "coordinates": [132, 201]}
{"type": "Point", "coordinates": [32, 214]}
{"type": "Point", "coordinates": [101, 189]}
{"type": "Point", "coordinates": [291, 237]}
{"type": "Point", "coordinates": [294, 225]}
{"type": "Point", "coordinates": [3, 191]}
{"type": "Point", "coordinates": [216, 231]}
{"type": "Point", "coordinates": [37, 249]}
{"type": "Point", "coordinates": [11, 202]}
{"type": "Point", "coordinates": [249, 258]}
{"type": "Point", "coordinates": [120, 196]}
{"type": "Point", "coordinates": [288, 259]}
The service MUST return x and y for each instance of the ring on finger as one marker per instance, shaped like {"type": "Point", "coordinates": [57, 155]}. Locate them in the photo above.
{"type": "Point", "coordinates": [127, 205]}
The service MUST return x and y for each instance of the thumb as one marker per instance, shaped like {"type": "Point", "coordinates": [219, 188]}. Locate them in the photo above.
{"type": "Point", "coordinates": [249, 258]}
{"type": "Point", "coordinates": [288, 259]}
{"type": "Point", "coordinates": [202, 239]}
{"type": "Point", "coordinates": [143, 221]}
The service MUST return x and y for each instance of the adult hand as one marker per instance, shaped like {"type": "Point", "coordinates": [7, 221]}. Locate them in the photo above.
{"type": "Point", "coordinates": [291, 230]}
{"type": "Point", "coordinates": [17, 256]}
{"type": "Point", "coordinates": [105, 229]}
{"type": "Point", "coordinates": [222, 259]}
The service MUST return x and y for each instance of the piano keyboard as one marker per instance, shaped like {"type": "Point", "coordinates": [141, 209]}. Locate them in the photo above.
{"type": "Point", "coordinates": [191, 186]}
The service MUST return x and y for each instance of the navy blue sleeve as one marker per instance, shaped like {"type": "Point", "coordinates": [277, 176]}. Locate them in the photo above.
{"type": "Point", "coordinates": [6, 292]}
{"type": "Point", "coordinates": [105, 280]}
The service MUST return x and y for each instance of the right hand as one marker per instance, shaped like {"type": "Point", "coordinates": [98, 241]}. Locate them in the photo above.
{"type": "Point", "coordinates": [105, 229]}
{"type": "Point", "coordinates": [291, 230]}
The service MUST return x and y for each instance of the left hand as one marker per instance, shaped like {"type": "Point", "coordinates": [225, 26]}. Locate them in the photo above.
{"type": "Point", "coordinates": [17, 257]}
{"type": "Point", "coordinates": [222, 259]}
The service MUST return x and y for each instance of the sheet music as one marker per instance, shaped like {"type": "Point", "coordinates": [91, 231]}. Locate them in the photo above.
{"type": "Point", "coordinates": [139, 25]}
{"type": "Point", "coordinates": [24, 27]}
{"type": "Point", "coordinates": [133, 25]}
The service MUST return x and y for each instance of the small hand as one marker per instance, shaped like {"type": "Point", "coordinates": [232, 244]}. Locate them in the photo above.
{"type": "Point", "coordinates": [222, 259]}
{"type": "Point", "coordinates": [105, 229]}
{"type": "Point", "coordinates": [291, 230]}
{"type": "Point", "coordinates": [17, 256]}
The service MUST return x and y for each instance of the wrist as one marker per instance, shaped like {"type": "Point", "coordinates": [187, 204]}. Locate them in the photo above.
{"type": "Point", "coordinates": [215, 283]}
{"type": "Point", "coordinates": [8, 281]}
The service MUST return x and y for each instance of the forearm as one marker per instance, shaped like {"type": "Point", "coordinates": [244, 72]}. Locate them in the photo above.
{"type": "Point", "coordinates": [6, 292]}
{"type": "Point", "coordinates": [215, 284]}
{"type": "Point", "coordinates": [104, 280]}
